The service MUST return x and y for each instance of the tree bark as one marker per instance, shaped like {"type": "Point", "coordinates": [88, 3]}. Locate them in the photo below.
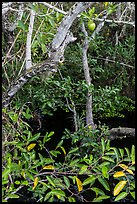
{"type": "Point", "coordinates": [59, 43]}
{"type": "Point", "coordinates": [89, 112]}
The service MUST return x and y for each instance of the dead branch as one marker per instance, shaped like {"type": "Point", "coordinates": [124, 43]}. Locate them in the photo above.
{"type": "Point", "coordinates": [121, 132]}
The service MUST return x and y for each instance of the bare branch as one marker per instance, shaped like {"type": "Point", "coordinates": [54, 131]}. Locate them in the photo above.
{"type": "Point", "coordinates": [53, 7]}
{"type": "Point", "coordinates": [61, 40]}
{"type": "Point", "coordinates": [28, 43]}
{"type": "Point", "coordinates": [115, 21]}
{"type": "Point", "coordinates": [6, 7]}
{"type": "Point", "coordinates": [67, 22]}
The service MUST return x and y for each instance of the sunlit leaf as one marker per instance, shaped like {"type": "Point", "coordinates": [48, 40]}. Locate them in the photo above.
{"type": "Point", "coordinates": [49, 167]}
{"type": "Point", "coordinates": [123, 166]}
{"type": "Point", "coordinates": [31, 146]}
{"type": "Point", "coordinates": [119, 187]}
{"type": "Point", "coordinates": [105, 171]}
{"type": "Point", "coordinates": [64, 151]}
{"type": "Point", "coordinates": [103, 144]}
{"type": "Point", "coordinates": [13, 196]}
{"type": "Point", "coordinates": [58, 192]}
{"type": "Point", "coordinates": [71, 199]}
{"type": "Point", "coordinates": [100, 198]}
{"type": "Point", "coordinates": [35, 183]}
{"type": "Point", "coordinates": [108, 159]}
{"type": "Point", "coordinates": [119, 174]}
{"type": "Point", "coordinates": [73, 150]}
{"type": "Point", "coordinates": [133, 154]}
{"type": "Point", "coordinates": [83, 169]}
{"type": "Point", "coordinates": [132, 194]}
{"type": "Point", "coordinates": [34, 137]}
{"type": "Point", "coordinates": [79, 184]}
{"type": "Point", "coordinates": [121, 196]}
{"type": "Point", "coordinates": [90, 180]}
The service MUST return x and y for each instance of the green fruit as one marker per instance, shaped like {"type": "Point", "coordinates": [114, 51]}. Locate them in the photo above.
{"type": "Point", "coordinates": [91, 25]}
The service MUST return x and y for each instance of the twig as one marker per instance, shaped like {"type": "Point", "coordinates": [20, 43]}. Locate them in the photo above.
{"type": "Point", "coordinates": [121, 63]}
{"type": "Point", "coordinates": [115, 21]}
{"type": "Point", "coordinates": [53, 7]}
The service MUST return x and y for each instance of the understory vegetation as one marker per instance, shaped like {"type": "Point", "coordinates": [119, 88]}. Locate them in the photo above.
{"type": "Point", "coordinates": [80, 164]}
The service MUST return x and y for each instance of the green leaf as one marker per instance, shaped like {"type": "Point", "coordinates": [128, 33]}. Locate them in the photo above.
{"type": "Point", "coordinates": [30, 175]}
{"type": "Point", "coordinates": [66, 180]}
{"type": "Point", "coordinates": [121, 196]}
{"type": "Point", "coordinates": [71, 199]}
{"type": "Point", "coordinates": [90, 180]}
{"type": "Point", "coordinates": [121, 152]}
{"type": "Point", "coordinates": [54, 153]}
{"type": "Point", "coordinates": [98, 191]}
{"type": "Point", "coordinates": [83, 169]}
{"type": "Point", "coordinates": [51, 181]}
{"type": "Point", "coordinates": [108, 145]}
{"type": "Point", "coordinates": [128, 152]}
{"type": "Point", "coordinates": [104, 164]}
{"type": "Point", "coordinates": [47, 196]}
{"type": "Point", "coordinates": [13, 196]}
{"type": "Point", "coordinates": [116, 153]}
{"type": "Point", "coordinates": [59, 144]}
{"type": "Point", "coordinates": [17, 182]}
{"type": "Point", "coordinates": [75, 161]}
{"type": "Point", "coordinates": [48, 160]}
{"type": "Point", "coordinates": [108, 159]}
{"type": "Point", "coordinates": [132, 194]}
{"type": "Point", "coordinates": [34, 137]}
{"type": "Point", "coordinates": [100, 198]}
{"type": "Point", "coordinates": [103, 145]}
{"type": "Point", "coordinates": [104, 183]}
{"type": "Point", "coordinates": [73, 150]}
{"type": "Point", "coordinates": [21, 25]}
{"type": "Point", "coordinates": [5, 173]}
{"type": "Point", "coordinates": [133, 154]}
{"type": "Point", "coordinates": [105, 171]}
{"type": "Point", "coordinates": [5, 182]}
{"type": "Point", "coordinates": [63, 149]}
{"type": "Point", "coordinates": [91, 11]}
{"type": "Point", "coordinates": [58, 192]}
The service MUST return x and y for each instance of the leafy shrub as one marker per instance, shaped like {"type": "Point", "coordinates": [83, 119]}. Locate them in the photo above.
{"type": "Point", "coordinates": [27, 162]}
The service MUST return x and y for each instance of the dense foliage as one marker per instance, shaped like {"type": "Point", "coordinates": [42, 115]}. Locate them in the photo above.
{"type": "Point", "coordinates": [89, 168]}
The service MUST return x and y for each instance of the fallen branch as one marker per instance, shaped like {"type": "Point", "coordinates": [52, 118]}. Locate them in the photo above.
{"type": "Point", "coordinates": [121, 132]}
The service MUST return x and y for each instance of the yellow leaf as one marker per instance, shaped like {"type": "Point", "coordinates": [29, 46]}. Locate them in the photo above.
{"type": "Point", "coordinates": [63, 150]}
{"type": "Point", "coordinates": [106, 4]}
{"type": "Point", "coordinates": [123, 166]}
{"type": "Point", "coordinates": [119, 187]}
{"type": "Point", "coordinates": [119, 174]}
{"type": "Point", "coordinates": [35, 182]}
{"type": "Point", "coordinates": [79, 184]}
{"type": "Point", "coordinates": [49, 167]}
{"type": "Point", "coordinates": [133, 162]}
{"type": "Point", "coordinates": [31, 146]}
{"type": "Point", "coordinates": [130, 171]}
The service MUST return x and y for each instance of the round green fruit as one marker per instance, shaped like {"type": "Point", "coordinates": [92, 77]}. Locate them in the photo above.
{"type": "Point", "coordinates": [91, 25]}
